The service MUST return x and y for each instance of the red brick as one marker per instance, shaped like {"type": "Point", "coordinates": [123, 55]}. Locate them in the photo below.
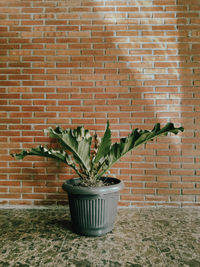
{"type": "Point", "coordinates": [169, 192]}
{"type": "Point", "coordinates": [191, 191]}
{"type": "Point", "coordinates": [10, 196]}
{"type": "Point", "coordinates": [45, 190]}
{"type": "Point", "coordinates": [132, 198]}
{"type": "Point", "coordinates": [32, 10]}
{"type": "Point", "coordinates": [33, 196]}
{"type": "Point", "coordinates": [157, 198]}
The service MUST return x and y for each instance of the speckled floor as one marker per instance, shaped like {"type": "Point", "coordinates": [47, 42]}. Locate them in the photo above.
{"type": "Point", "coordinates": [141, 237]}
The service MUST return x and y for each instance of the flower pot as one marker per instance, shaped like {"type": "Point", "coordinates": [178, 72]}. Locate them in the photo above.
{"type": "Point", "coordinates": [93, 209]}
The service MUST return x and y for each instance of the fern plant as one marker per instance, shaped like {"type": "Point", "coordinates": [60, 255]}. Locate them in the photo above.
{"type": "Point", "coordinates": [90, 156]}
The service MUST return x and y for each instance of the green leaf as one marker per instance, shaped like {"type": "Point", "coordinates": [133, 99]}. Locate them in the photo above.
{"type": "Point", "coordinates": [136, 138]}
{"type": "Point", "coordinates": [78, 142]}
{"type": "Point", "coordinates": [42, 152]}
{"type": "Point", "coordinates": [57, 155]}
{"type": "Point", "coordinates": [105, 144]}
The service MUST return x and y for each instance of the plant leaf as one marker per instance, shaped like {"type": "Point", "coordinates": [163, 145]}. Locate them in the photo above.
{"type": "Point", "coordinates": [42, 152]}
{"type": "Point", "coordinates": [136, 138]}
{"type": "Point", "coordinates": [78, 141]}
{"type": "Point", "coordinates": [104, 146]}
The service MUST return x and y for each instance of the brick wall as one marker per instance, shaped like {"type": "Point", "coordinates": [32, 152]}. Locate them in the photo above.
{"type": "Point", "coordinates": [82, 62]}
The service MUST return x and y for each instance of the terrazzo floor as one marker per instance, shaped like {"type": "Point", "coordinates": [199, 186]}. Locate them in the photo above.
{"type": "Point", "coordinates": [166, 237]}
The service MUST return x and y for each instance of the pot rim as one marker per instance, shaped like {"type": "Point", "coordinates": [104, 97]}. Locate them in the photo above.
{"type": "Point", "coordinates": [69, 187]}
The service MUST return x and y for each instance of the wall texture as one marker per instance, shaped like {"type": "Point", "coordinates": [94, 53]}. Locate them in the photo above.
{"type": "Point", "coordinates": [82, 62]}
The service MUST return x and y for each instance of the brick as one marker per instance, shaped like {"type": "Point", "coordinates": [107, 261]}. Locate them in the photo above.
{"type": "Point", "coordinates": [44, 190]}
{"type": "Point", "coordinates": [10, 196]}
{"type": "Point", "coordinates": [33, 196]}
{"type": "Point", "coordinates": [169, 192]}
{"type": "Point", "coordinates": [132, 198]}
{"type": "Point", "coordinates": [191, 191]}
{"type": "Point", "coordinates": [157, 198]}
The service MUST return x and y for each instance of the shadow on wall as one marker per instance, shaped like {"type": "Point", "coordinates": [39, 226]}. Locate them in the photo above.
{"type": "Point", "coordinates": [188, 25]}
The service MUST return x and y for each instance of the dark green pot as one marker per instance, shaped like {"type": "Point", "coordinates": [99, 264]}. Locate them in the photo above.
{"type": "Point", "coordinates": [93, 209]}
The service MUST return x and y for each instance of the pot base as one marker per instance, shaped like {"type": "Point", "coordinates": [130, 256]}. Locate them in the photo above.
{"type": "Point", "coordinates": [92, 232]}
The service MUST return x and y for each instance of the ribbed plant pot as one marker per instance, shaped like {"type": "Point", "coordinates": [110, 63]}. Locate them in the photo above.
{"type": "Point", "coordinates": [93, 209]}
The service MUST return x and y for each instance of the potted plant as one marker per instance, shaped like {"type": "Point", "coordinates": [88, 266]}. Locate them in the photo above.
{"type": "Point", "coordinates": [93, 196]}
